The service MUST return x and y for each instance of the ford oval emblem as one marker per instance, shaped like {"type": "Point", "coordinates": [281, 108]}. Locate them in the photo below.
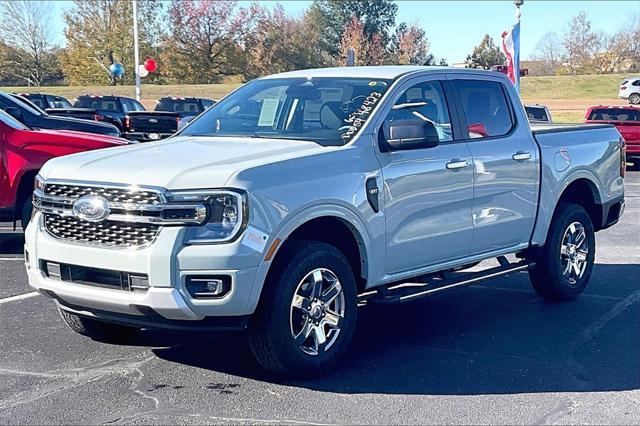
{"type": "Point", "coordinates": [153, 120]}
{"type": "Point", "coordinates": [92, 208]}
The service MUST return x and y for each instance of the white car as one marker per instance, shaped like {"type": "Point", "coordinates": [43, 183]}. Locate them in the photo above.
{"type": "Point", "coordinates": [630, 90]}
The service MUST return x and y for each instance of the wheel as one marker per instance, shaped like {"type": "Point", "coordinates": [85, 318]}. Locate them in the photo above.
{"type": "Point", "coordinates": [98, 330]}
{"type": "Point", "coordinates": [308, 314]}
{"type": "Point", "coordinates": [634, 98]}
{"type": "Point", "coordinates": [564, 264]}
{"type": "Point", "coordinates": [27, 209]}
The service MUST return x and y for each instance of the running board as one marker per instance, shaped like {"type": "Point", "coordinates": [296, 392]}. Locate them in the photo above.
{"type": "Point", "coordinates": [433, 283]}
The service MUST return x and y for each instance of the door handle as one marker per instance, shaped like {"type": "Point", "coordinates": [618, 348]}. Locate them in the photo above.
{"type": "Point", "coordinates": [457, 164]}
{"type": "Point", "coordinates": [521, 156]}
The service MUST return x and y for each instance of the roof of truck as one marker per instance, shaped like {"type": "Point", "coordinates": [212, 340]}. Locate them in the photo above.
{"type": "Point", "coordinates": [381, 72]}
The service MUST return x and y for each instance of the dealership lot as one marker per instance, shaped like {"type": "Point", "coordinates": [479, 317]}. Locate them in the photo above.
{"type": "Point", "coordinates": [490, 353]}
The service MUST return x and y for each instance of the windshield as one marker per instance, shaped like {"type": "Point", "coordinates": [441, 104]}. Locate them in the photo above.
{"type": "Point", "coordinates": [11, 122]}
{"type": "Point", "coordinates": [103, 104]}
{"type": "Point", "coordinates": [328, 111]}
{"type": "Point", "coordinates": [615, 114]}
{"type": "Point", "coordinates": [28, 105]}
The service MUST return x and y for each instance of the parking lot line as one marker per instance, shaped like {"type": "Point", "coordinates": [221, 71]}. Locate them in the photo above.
{"type": "Point", "coordinates": [11, 258]}
{"type": "Point", "coordinates": [18, 297]}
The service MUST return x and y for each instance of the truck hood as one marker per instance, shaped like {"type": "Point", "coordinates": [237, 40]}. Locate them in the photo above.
{"type": "Point", "coordinates": [75, 136]}
{"type": "Point", "coordinates": [179, 162]}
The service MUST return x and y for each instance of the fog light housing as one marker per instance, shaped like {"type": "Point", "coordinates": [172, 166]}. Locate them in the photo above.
{"type": "Point", "coordinates": [208, 286]}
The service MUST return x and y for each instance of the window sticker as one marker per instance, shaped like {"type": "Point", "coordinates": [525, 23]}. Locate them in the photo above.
{"type": "Point", "coordinates": [356, 119]}
{"type": "Point", "coordinates": [268, 112]}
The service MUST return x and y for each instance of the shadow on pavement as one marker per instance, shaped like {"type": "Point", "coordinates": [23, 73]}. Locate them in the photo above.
{"type": "Point", "coordinates": [492, 339]}
{"type": "Point", "coordinates": [11, 242]}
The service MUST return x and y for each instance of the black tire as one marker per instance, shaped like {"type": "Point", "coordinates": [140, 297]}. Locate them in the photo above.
{"type": "Point", "coordinates": [634, 98]}
{"type": "Point", "coordinates": [270, 332]}
{"type": "Point", "coordinates": [98, 330]}
{"type": "Point", "coordinates": [25, 214]}
{"type": "Point", "coordinates": [547, 276]}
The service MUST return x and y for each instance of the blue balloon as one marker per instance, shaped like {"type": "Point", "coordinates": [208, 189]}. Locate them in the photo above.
{"type": "Point", "coordinates": [116, 69]}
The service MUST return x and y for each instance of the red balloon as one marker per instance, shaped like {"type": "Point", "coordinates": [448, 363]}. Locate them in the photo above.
{"type": "Point", "coordinates": [150, 65]}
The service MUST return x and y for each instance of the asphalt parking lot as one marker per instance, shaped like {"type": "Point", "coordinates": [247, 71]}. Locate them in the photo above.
{"type": "Point", "coordinates": [490, 353]}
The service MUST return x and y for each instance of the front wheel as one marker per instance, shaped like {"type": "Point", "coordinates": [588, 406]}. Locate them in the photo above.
{"type": "Point", "coordinates": [565, 262]}
{"type": "Point", "coordinates": [308, 311]}
{"type": "Point", "coordinates": [634, 98]}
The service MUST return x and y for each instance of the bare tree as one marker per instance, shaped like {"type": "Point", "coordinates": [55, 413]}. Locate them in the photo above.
{"type": "Point", "coordinates": [581, 43]}
{"type": "Point", "coordinates": [25, 27]}
{"type": "Point", "coordinates": [550, 52]}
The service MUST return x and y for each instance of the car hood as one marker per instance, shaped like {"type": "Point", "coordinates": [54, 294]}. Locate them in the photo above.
{"type": "Point", "coordinates": [179, 162]}
{"type": "Point", "coordinates": [83, 136]}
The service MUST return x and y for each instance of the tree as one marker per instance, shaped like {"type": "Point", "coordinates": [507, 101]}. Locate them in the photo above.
{"type": "Point", "coordinates": [549, 51]}
{"type": "Point", "coordinates": [581, 44]}
{"type": "Point", "coordinates": [485, 55]}
{"type": "Point", "coordinates": [332, 17]}
{"type": "Point", "coordinates": [28, 54]}
{"type": "Point", "coordinates": [410, 46]}
{"type": "Point", "coordinates": [368, 51]}
{"type": "Point", "coordinates": [279, 43]}
{"type": "Point", "coordinates": [100, 33]}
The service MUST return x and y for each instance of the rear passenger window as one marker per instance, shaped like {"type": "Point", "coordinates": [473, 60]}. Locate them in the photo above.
{"type": "Point", "coordinates": [485, 107]}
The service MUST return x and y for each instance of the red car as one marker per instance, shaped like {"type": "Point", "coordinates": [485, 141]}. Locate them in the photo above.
{"type": "Point", "coordinates": [627, 121]}
{"type": "Point", "coordinates": [23, 151]}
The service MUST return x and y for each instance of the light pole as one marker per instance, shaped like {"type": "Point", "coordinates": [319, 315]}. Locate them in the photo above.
{"type": "Point", "coordinates": [516, 42]}
{"type": "Point", "coordinates": [135, 47]}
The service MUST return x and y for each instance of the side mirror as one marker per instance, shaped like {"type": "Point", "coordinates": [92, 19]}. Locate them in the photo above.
{"type": "Point", "coordinates": [15, 113]}
{"type": "Point", "coordinates": [410, 134]}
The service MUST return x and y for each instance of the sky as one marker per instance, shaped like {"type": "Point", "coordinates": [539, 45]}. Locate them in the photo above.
{"type": "Point", "coordinates": [455, 27]}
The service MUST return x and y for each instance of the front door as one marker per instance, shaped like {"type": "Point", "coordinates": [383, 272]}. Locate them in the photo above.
{"type": "Point", "coordinates": [428, 192]}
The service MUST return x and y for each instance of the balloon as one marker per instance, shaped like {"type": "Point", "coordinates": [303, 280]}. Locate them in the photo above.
{"type": "Point", "coordinates": [116, 69]}
{"type": "Point", "coordinates": [142, 71]}
{"type": "Point", "coordinates": [150, 64]}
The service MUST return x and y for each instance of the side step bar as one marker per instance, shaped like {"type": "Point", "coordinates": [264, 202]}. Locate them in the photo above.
{"type": "Point", "coordinates": [433, 283]}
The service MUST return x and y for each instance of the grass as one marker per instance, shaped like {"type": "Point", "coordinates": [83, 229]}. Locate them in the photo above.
{"type": "Point", "coordinates": [568, 96]}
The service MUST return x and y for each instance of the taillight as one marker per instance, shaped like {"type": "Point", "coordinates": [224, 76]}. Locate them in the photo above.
{"type": "Point", "coordinates": [98, 117]}
{"type": "Point", "coordinates": [623, 87]}
{"type": "Point", "coordinates": [623, 157]}
{"type": "Point", "coordinates": [127, 122]}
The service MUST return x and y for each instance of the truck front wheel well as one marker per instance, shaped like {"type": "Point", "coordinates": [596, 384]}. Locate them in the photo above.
{"type": "Point", "coordinates": [338, 233]}
{"type": "Point", "coordinates": [24, 190]}
{"type": "Point", "coordinates": [584, 193]}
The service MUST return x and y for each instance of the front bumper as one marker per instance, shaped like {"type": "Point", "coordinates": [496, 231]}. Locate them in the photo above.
{"type": "Point", "coordinates": [166, 262]}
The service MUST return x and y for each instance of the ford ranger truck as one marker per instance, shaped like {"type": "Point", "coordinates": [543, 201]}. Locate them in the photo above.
{"type": "Point", "coordinates": [300, 196]}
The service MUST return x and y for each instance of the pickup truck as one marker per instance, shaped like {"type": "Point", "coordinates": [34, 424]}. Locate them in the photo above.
{"type": "Point", "coordinates": [23, 151]}
{"type": "Point", "coordinates": [302, 195]}
{"type": "Point", "coordinates": [538, 113]}
{"type": "Point", "coordinates": [45, 101]}
{"type": "Point", "coordinates": [164, 121]}
{"type": "Point", "coordinates": [627, 121]}
{"type": "Point", "coordinates": [32, 116]}
{"type": "Point", "coordinates": [110, 109]}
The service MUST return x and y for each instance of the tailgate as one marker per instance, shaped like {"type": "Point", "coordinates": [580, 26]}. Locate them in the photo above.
{"type": "Point", "coordinates": [153, 122]}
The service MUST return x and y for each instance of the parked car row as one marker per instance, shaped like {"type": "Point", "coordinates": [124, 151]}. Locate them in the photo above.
{"type": "Point", "coordinates": [111, 114]}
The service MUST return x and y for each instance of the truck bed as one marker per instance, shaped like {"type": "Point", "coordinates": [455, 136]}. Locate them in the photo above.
{"type": "Point", "coordinates": [541, 128]}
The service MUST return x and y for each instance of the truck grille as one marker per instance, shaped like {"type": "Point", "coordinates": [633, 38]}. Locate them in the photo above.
{"type": "Point", "coordinates": [116, 195]}
{"type": "Point", "coordinates": [107, 233]}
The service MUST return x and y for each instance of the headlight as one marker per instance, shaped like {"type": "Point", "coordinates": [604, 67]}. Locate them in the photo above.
{"type": "Point", "coordinates": [226, 215]}
{"type": "Point", "coordinates": [38, 183]}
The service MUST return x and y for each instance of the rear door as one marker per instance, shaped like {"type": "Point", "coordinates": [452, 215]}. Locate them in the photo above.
{"type": "Point", "coordinates": [428, 192]}
{"type": "Point", "coordinates": [506, 164]}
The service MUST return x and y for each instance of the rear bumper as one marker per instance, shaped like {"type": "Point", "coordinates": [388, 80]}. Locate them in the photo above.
{"type": "Point", "coordinates": [146, 136]}
{"type": "Point", "coordinates": [612, 211]}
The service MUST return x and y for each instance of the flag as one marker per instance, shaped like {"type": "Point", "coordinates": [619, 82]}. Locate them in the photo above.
{"type": "Point", "coordinates": [511, 48]}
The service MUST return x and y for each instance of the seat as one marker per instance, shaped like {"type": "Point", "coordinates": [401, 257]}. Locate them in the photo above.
{"type": "Point", "coordinates": [331, 116]}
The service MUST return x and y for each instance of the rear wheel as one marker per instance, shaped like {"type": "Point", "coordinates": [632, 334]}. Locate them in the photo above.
{"type": "Point", "coordinates": [564, 264]}
{"type": "Point", "coordinates": [634, 98]}
{"type": "Point", "coordinates": [308, 314]}
{"type": "Point", "coordinates": [98, 330]}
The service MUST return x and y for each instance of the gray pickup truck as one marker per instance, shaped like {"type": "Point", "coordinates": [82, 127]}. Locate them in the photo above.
{"type": "Point", "coordinates": [301, 196]}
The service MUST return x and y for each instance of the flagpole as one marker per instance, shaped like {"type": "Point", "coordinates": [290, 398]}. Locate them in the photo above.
{"type": "Point", "coordinates": [135, 47]}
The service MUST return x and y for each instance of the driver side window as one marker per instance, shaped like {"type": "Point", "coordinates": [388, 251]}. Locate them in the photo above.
{"type": "Point", "coordinates": [423, 102]}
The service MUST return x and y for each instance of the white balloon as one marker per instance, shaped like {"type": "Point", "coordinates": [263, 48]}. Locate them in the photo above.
{"type": "Point", "coordinates": [142, 71]}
